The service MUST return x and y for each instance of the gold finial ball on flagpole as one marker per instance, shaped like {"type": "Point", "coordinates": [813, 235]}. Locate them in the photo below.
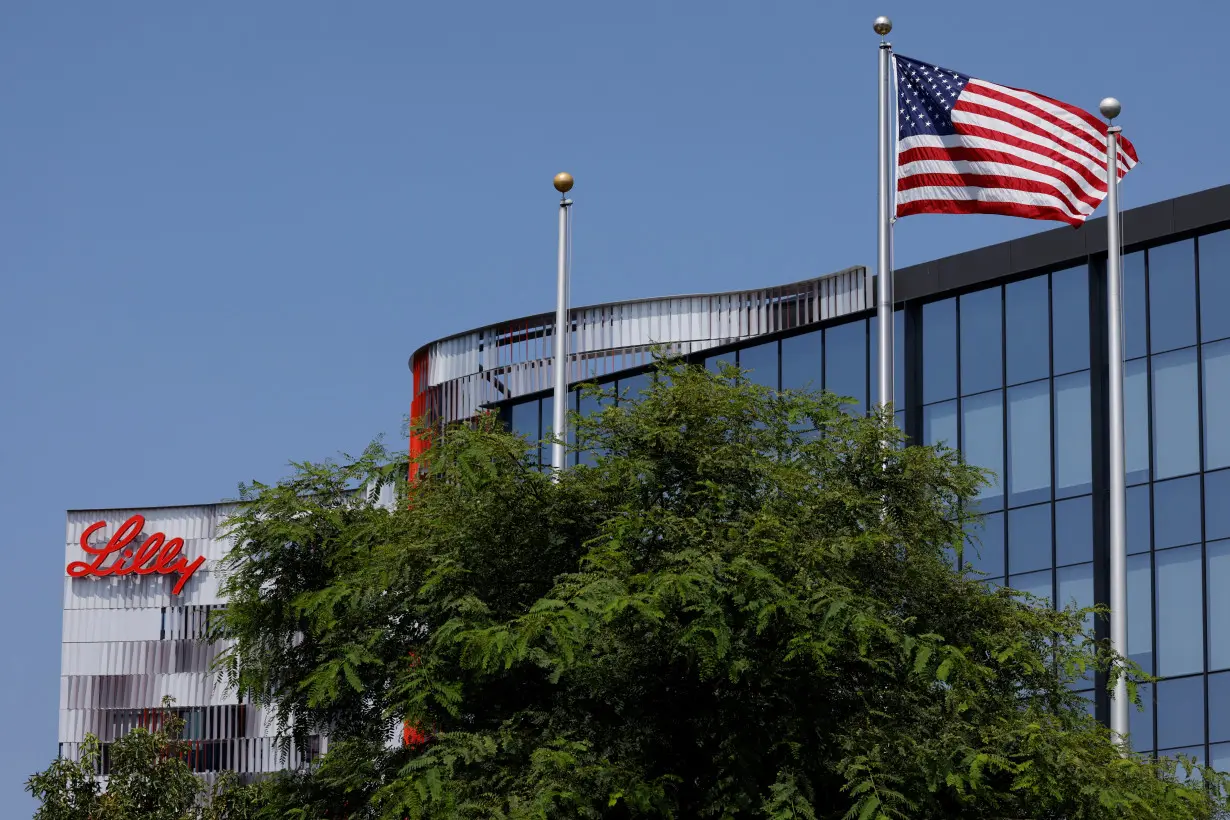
{"type": "Point", "coordinates": [563, 182]}
{"type": "Point", "coordinates": [882, 25]}
{"type": "Point", "coordinates": [1110, 108]}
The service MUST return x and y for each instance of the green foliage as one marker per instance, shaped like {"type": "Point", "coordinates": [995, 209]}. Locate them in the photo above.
{"type": "Point", "coordinates": [744, 609]}
{"type": "Point", "coordinates": [148, 779]}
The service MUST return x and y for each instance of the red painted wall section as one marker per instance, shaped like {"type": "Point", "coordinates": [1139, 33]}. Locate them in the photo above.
{"type": "Point", "coordinates": [418, 410]}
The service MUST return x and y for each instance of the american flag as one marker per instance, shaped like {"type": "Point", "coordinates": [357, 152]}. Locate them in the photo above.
{"type": "Point", "coordinates": [968, 146]}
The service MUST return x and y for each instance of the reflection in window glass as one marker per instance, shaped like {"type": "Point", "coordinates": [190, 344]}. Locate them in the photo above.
{"type": "Point", "coordinates": [525, 420]}
{"type": "Point", "coordinates": [1140, 610]}
{"type": "Point", "coordinates": [1180, 712]}
{"type": "Point", "coordinates": [981, 337]}
{"type": "Point", "coordinates": [1134, 311]}
{"type": "Point", "coordinates": [715, 364]}
{"type": "Point", "coordinates": [1217, 505]}
{"type": "Point", "coordinates": [939, 332]}
{"type": "Point", "coordinates": [1176, 506]}
{"type": "Point", "coordinates": [1172, 296]}
{"type": "Point", "coordinates": [1195, 752]}
{"type": "Point", "coordinates": [1216, 404]}
{"type": "Point", "coordinates": [761, 362]}
{"type": "Point", "coordinates": [586, 407]}
{"type": "Point", "coordinates": [1219, 707]}
{"type": "Point", "coordinates": [1029, 539]}
{"type": "Point", "coordinates": [1219, 757]}
{"type": "Point", "coordinates": [1075, 588]}
{"type": "Point", "coordinates": [1025, 307]}
{"type": "Point", "coordinates": [548, 425]}
{"type": "Point", "coordinates": [1140, 721]}
{"type": "Point", "coordinates": [984, 545]}
{"type": "Point", "coordinates": [631, 387]}
{"type": "Point", "coordinates": [801, 362]}
{"type": "Point", "coordinates": [1029, 443]}
{"type": "Point", "coordinates": [1035, 583]}
{"type": "Point", "coordinates": [982, 422]}
{"type": "Point", "coordinates": [940, 424]}
{"type": "Point", "coordinates": [1219, 604]}
{"type": "Point", "coordinates": [1180, 626]}
{"type": "Point", "coordinates": [1074, 531]}
{"type": "Point", "coordinates": [1176, 420]}
{"type": "Point", "coordinates": [1139, 519]}
{"type": "Point", "coordinates": [1214, 286]}
{"type": "Point", "coordinates": [1136, 420]}
{"type": "Point", "coordinates": [1070, 323]}
{"type": "Point", "coordinates": [898, 357]}
{"type": "Point", "coordinates": [845, 361]}
{"type": "Point", "coordinates": [1073, 439]}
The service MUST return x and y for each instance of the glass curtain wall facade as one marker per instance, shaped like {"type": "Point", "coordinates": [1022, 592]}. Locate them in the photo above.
{"type": "Point", "coordinates": [1013, 374]}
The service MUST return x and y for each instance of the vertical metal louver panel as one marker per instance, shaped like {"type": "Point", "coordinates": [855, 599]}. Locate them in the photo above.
{"type": "Point", "coordinates": [499, 362]}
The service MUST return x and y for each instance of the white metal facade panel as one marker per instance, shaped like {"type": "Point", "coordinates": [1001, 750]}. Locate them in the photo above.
{"type": "Point", "coordinates": [127, 642]}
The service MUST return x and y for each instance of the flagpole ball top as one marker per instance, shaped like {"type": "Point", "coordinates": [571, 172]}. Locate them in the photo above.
{"type": "Point", "coordinates": [882, 25]}
{"type": "Point", "coordinates": [563, 182]}
{"type": "Point", "coordinates": [1110, 108]}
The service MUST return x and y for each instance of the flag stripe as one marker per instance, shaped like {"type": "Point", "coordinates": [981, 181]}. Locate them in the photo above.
{"type": "Point", "coordinates": [994, 188]}
{"type": "Point", "coordinates": [992, 171]}
{"type": "Point", "coordinates": [970, 146]}
{"type": "Point", "coordinates": [956, 206]}
{"type": "Point", "coordinates": [979, 149]}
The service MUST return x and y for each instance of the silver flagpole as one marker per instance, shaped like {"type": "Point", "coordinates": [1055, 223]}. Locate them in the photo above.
{"type": "Point", "coordinates": [1110, 109]}
{"type": "Point", "coordinates": [884, 273]}
{"type": "Point", "coordinates": [563, 184]}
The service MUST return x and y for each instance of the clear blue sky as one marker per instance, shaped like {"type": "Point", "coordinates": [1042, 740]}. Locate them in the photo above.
{"type": "Point", "coordinates": [223, 229]}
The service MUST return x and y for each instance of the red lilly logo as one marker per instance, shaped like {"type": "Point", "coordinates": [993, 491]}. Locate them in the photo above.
{"type": "Point", "coordinates": [155, 555]}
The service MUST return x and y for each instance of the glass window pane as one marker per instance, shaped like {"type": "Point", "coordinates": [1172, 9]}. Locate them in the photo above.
{"type": "Point", "coordinates": [761, 362]}
{"type": "Point", "coordinates": [1070, 322]}
{"type": "Point", "coordinates": [801, 361]}
{"type": "Point", "coordinates": [714, 364]}
{"type": "Point", "coordinates": [1217, 505]}
{"type": "Point", "coordinates": [1074, 531]}
{"type": "Point", "coordinates": [1140, 610]}
{"type": "Point", "coordinates": [939, 332]}
{"type": "Point", "coordinates": [1075, 588]}
{"type": "Point", "coordinates": [1025, 307]}
{"type": "Point", "coordinates": [1176, 422]}
{"type": "Point", "coordinates": [982, 421]}
{"type": "Point", "coordinates": [1176, 512]}
{"type": "Point", "coordinates": [898, 357]}
{"type": "Point", "coordinates": [1180, 712]}
{"type": "Point", "coordinates": [588, 406]}
{"type": "Point", "coordinates": [631, 387]}
{"type": "Point", "coordinates": [525, 420]}
{"type": "Point", "coordinates": [1219, 604]}
{"type": "Point", "coordinates": [1073, 439]}
{"type": "Point", "coordinates": [981, 339]}
{"type": "Point", "coordinates": [1029, 440]}
{"type": "Point", "coordinates": [1134, 326]}
{"type": "Point", "coordinates": [548, 424]}
{"type": "Point", "coordinates": [1172, 296]}
{"type": "Point", "coordinates": [1219, 707]}
{"type": "Point", "coordinates": [1216, 404]}
{"type": "Point", "coordinates": [984, 545]}
{"type": "Point", "coordinates": [1136, 420]}
{"type": "Point", "coordinates": [1214, 285]}
{"type": "Point", "coordinates": [1139, 519]}
{"type": "Point", "coordinates": [1029, 538]}
{"type": "Point", "coordinates": [845, 361]}
{"type": "Point", "coordinates": [1219, 757]}
{"type": "Point", "coordinates": [940, 423]}
{"type": "Point", "coordinates": [1180, 627]}
{"type": "Point", "coordinates": [1140, 721]}
{"type": "Point", "coordinates": [1035, 583]}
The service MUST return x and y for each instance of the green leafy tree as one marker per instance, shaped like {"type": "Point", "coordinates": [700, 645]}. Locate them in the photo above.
{"type": "Point", "coordinates": [148, 779]}
{"type": "Point", "coordinates": [745, 608]}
